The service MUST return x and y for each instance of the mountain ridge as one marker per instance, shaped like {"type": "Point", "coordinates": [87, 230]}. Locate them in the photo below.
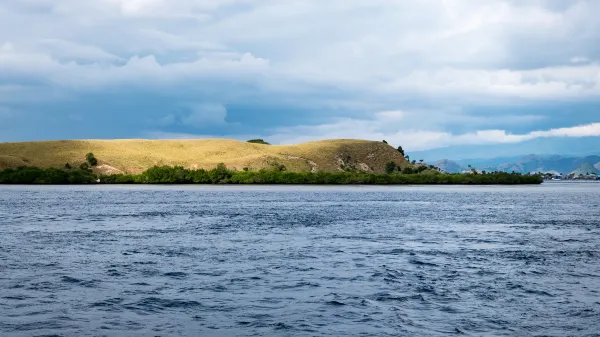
{"type": "Point", "coordinates": [524, 164]}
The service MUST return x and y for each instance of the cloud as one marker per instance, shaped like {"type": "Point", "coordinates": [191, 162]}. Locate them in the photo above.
{"type": "Point", "coordinates": [69, 51]}
{"type": "Point", "coordinates": [454, 48]}
{"type": "Point", "coordinates": [382, 127]}
{"type": "Point", "coordinates": [441, 71]}
{"type": "Point", "coordinates": [579, 59]}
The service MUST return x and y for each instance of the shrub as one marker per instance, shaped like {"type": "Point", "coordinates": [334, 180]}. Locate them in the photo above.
{"type": "Point", "coordinates": [258, 141]}
{"type": "Point", "coordinates": [390, 167]}
{"type": "Point", "coordinates": [91, 159]}
{"type": "Point", "coordinates": [408, 170]}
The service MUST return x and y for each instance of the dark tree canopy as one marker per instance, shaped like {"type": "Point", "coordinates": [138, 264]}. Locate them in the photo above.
{"type": "Point", "coordinates": [91, 159]}
{"type": "Point", "coordinates": [390, 167]}
{"type": "Point", "coordinates": [222, 175]}
{"type": "Point", "coordinates": [258, 141]}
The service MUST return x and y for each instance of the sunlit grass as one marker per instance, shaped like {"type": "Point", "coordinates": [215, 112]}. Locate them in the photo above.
{"type": "Point", "coordinates": [135, 156]}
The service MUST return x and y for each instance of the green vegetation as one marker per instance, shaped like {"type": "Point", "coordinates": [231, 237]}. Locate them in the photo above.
{"type": "Point", "coordinates": [401, 150]}
{"type": "Point", "coordinates": [222, 175]}
{"type": "Point", "coordinates": [390, 167]}
{"type": "Point", "coordinates": [34, 175]}
{"type": "Point", "coordinates": [258, 141]}
{"type": "Point", "coordinates": [91, 159]}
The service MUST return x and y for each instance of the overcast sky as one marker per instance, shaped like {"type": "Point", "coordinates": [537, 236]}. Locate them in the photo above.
{"type": "Point", "coordinates": [422, 74]}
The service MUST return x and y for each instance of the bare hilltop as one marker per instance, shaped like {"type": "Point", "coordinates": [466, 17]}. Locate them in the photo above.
{"type": "Point", "coordinates": [137, 155]}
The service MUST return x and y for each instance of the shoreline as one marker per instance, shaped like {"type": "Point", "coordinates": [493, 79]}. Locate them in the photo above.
{"type": "Point", "coordinates": [222, 176]}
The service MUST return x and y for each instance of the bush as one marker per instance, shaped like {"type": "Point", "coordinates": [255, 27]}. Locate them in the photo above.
{"type": "Point", "coordinates": [91, 159]}
{"type": "Point", "coordinates": [258, 141]}
{"type": "Point", "coordinates": [390, 167]}
{"type": "Point", "coordinates": [35, 175]}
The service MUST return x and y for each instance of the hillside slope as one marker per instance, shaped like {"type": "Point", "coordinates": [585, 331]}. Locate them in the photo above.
{"type": "Point", "coordinates": [136, 155]}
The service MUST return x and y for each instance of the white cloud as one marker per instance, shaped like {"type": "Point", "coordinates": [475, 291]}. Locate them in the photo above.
{"type": "Point", "coordinates": [413, 139]}
{"type": "Point", "coordinates": [347, 55]}
{"type": "Point", "coordinates": [381, 47]}
{"type": "Point", "coordinates": [579, 59]}
{"type": "Point", "coordinates": [70, 51]}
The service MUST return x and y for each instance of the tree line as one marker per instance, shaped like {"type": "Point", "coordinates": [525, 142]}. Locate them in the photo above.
{"type": "Point", "coordinates": [222, 175]}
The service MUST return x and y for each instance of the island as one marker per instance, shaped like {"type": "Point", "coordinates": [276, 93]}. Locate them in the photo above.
{"type": "Point", "coordinates": [226, 161]}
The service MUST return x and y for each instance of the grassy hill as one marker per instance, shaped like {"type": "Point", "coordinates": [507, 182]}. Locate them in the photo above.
{"type": "Point", "coordinates": [137, 155]}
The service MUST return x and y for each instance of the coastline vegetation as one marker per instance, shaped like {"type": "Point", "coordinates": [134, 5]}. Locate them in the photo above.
{"type": "Point", "coordinates": [277, 175]}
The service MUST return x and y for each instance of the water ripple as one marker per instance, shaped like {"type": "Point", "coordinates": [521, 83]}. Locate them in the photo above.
{"type": "Point", "coordinates": [290, 261]}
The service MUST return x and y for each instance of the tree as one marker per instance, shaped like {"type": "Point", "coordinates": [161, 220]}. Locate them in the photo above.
{"type": "Point", "coordinates": [84, 167]}
{"type": "Point", "coordinates": [407, 170]}
{"type": "Point", "coordinates": [258, 141]}
{"type": "Point", "coordinates": [384, 141]}
{"type": "Point", "coordinates": [401, 150]}
{"type": "Point", "coordinates": [413, 162]}
{"type": "Point", "coordinates": [91, 159]}
{"type": "Point", "coordinates": [421, 161]}
{"type": "Point", "coordinates": [390, 167]}
{"type": "Point", "coordinates": [68, 166]}
{"type": "Point", "coordinates": [407, 158]}
{"type": "Point", "coordinates": [219, 174]}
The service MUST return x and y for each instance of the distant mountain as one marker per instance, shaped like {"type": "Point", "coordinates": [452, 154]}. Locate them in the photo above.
{"type": "Point", "coordinates": [585, 169]}
{"type": "Point", "coordinates": [525, 164]}
{"type": "Point", "coordinates": [567, 147]}
{"type": "Point", "coordinates": [449, 166]}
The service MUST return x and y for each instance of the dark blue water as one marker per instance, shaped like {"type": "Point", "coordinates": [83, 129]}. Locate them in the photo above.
{"type": "Point", "coordinates": [300, 261]}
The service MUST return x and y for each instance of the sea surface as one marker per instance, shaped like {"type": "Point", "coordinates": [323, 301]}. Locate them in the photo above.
{"type": "Point", "coordinates": [300, 261]}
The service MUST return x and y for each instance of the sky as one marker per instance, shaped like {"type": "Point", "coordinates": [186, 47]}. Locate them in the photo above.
{"type": "Point", "coordinates": [426, 74]}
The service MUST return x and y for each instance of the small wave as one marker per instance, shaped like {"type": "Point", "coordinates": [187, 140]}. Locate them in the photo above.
{"type": "Point", "coordinates": [154, 304]}
{"type": "Point", "coordinates": [297, 285]}
{"type": "Point", "coordinates": [17, 297]}
{"type": "Point", "coordinates": [422, 263]}
{"type": "Point", "coordinates": [114, 273]}
{"type": "Point", "coordinates": [176, 275]}
{"type": "Point", "coordinates": [73, 280]}
{"type": "Point", "coordinates": [211, 273]}
{"type": "Point", "coordinates": [335, 303]}
{"type": "Point", "coordinates": [538, 292]}
{"type": "Point", "coordinates": [386, 297]}
{"type": "Point", "coordinates": [282, 326]}
{"type": "Point", "coordinates": [109, 304]}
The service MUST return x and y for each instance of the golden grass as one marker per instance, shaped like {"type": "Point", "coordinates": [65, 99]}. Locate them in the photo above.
{"type": "Point", "coordinates": [136, 155]}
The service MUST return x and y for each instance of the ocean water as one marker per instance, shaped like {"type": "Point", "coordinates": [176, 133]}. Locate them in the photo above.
{"type": "Point", "coordinates": [300, 261]}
